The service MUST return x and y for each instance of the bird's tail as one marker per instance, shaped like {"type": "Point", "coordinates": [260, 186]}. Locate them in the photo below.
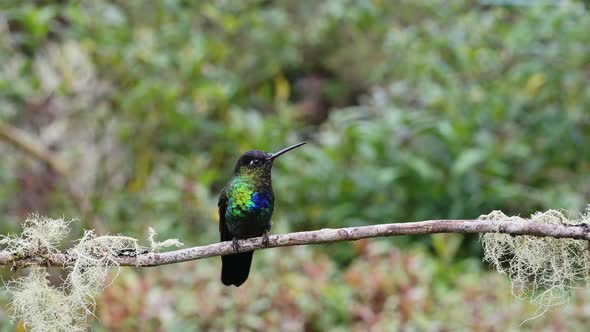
{"type": "Point", "coordinates": [235, 268]}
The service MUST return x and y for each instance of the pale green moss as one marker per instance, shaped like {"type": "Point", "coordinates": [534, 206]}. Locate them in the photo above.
{"type": "Point", "coordinates": [43, 307]}
{"type": "Point", "coordinates": [542, 269]}
{"type": "Point", "coordinates": [40, 234]}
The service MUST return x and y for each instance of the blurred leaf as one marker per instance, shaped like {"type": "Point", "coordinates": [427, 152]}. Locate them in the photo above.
{"type": "Point", "coordinates": [467, 160]}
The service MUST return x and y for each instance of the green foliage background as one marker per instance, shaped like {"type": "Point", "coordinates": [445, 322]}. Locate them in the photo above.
{"type": "Point", "coordinates": [413, 110]}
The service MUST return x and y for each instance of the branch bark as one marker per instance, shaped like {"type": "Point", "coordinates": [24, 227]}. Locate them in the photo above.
{"type": "Point", "coordinates": [580, 232]}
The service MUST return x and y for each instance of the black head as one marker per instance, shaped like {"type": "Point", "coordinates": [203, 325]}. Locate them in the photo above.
{"type": "Point", "coordinates": [255, 161]}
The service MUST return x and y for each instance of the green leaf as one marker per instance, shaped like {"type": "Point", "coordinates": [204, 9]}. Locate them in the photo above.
{"type": "Point", "coordinates": [467, 160]}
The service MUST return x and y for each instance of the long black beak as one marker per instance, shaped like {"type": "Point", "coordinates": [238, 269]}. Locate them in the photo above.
{"type": "Point", "coordinates": [277, 154]}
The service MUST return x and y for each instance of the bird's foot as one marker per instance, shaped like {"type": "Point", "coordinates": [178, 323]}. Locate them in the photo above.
{"type": "Point", "coordinates": [234, 244]}
{"type": "Point", "coordinates": [265, 239]}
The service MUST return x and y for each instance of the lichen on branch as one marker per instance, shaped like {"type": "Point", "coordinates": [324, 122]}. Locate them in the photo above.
{"type": "Point", "coordinates": [40, 235]}
{"type": "Point", "coordinates": [544, 256]}
{"type": "Point", "coordinates": [43, 307]}
{"type": "Point", "coordinates": [542, 269]}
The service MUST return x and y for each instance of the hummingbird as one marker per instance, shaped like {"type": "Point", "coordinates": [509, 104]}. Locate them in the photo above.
{"type": "Point", "coordinates": [245, 206]}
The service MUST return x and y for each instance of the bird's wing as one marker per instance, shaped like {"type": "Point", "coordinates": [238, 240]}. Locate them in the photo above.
{"type": "Point", "coordinates": [224, 233]}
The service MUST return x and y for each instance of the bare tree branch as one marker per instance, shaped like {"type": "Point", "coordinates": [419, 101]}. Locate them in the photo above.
{"type": "Point", "coordinates": [580, 232]}
{"type": "Point", "coordinates": [32, 145]}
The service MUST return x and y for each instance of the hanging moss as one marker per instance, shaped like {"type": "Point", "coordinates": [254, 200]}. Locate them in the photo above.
{"type": "Point", "coordinates": [543, 270]}
{"type": "Point", "coordinates": [43, 307]}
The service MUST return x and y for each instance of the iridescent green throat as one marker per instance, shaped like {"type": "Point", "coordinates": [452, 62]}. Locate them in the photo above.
{"type": "Point", "coordinates": [247, 196]}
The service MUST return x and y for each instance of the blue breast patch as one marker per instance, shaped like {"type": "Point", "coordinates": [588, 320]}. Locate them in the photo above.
{"type": "Point", "coordinates": [260, 201]}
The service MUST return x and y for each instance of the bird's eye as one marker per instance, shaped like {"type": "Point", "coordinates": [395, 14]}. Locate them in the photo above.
{"type": "Point", "coordinates": [255, 162]}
